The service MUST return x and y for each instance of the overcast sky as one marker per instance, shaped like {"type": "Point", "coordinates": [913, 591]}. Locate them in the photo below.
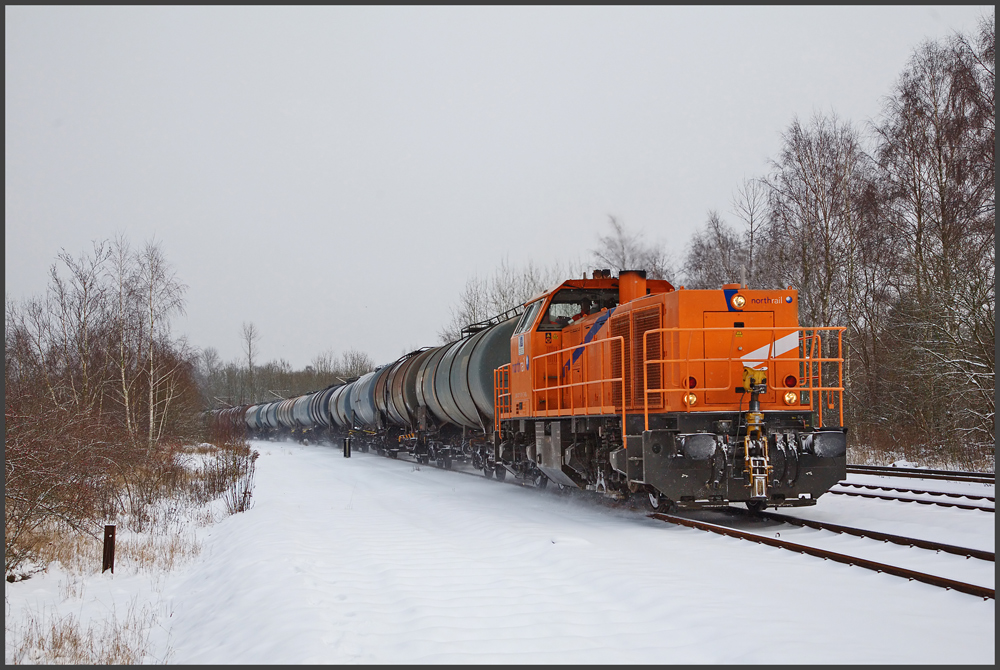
{"type": "Point", "coordinates": [335, 174]}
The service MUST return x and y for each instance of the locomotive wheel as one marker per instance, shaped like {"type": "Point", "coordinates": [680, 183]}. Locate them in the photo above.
{"type": "Point", "coordinates": [500, 472]}
{"type": "Point", "coordinates": [540, 480]}
{"type": "Point", "coordinates": [487, 471]}
{"type": "Point", "coordinates": [447, 462]}
{"type": "Point", "coordinates": [756, 506]}
{"type": "Point", "coordinates": [661, 503]}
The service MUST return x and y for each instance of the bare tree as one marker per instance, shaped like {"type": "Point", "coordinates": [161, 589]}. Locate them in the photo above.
{"type": "Point", "coordinates": [357, 363]}
{"type": "Point", "coordinates": [813, 191]}
{"type": "Point", "coordinates": [750, 205]}
{"type": "Point", "coordinates": [163, 296]}
{"type": "Point", "coordinates": [127, 324]}
{"type": "Point", "coordinates": [715, 255]}
{"type": "Point", "coordinates": [78, 300]}
{"type": "Point", "coordinates": [508, 287]}
{"type": "Point", "coordinates": [325, 363]}
{"type": "Point", "coordinates": [75, 363]}
{"type": "Point", "coordinates": [936, 159]}
{"type": "Point", "coordinates": [250, 337]}
{"type": "Point", "coordinates": [625, 250]}
{"type": "Point", "coordinates": [897, 244]}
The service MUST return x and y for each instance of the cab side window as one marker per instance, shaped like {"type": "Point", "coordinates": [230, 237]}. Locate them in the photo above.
{"type": "Point", "coordinates": [571, 305]}
{"type": "Point", "coordinates": [558, 316]}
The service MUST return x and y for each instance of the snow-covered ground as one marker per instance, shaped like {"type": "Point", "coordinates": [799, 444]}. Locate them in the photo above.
{"type": "Point", "coordinates": [372, 560]}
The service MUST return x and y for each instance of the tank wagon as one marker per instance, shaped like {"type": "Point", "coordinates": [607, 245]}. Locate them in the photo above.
{"type": "Point", "coordinates": [620, 385]}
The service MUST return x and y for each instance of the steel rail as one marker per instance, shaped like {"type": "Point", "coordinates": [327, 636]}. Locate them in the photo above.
{"type": "Point", "coordinates": [872, 534]}
{"type": "Point", "coordinates": [971, 589]}
{"type": "Point", "coordinates": [908, 500]}
{"type": "Point", "coordinates": [948, 494]}
{"type": "Point", "coordinates": [952, 475]}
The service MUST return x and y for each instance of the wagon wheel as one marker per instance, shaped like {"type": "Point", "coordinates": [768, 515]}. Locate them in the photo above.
{"type": "Point", "coordinates": [500, 471]}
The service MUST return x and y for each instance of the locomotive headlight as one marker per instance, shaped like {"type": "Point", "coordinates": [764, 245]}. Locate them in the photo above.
{"type": "Point", "coordinates": [690, 400]}
{"type": "Point", "coordinates": [738, 301]}
{"type": "Point", "coordinates": [791, 398]}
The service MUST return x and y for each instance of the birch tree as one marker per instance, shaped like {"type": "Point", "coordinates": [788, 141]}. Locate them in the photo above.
{"type": "Point", "coordinates": [163, 296]}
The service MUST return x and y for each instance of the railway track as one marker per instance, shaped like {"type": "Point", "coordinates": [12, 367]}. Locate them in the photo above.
{"type": "Point", "coordinates": [922, 501]}
{"type": "Point", "coordinates": [874, 535]}
{"type": "Point", "coordinates": [937, 497]}
{"type": "Point", "coordinates": [950, 475]}
{"type": "Point", "coordinates": [934, 580]}
{"type": "Point", "coordinates": [875, 487]}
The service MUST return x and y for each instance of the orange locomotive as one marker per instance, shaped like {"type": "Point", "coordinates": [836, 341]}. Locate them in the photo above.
{"type": "Point", "coordinates": [695, 397]}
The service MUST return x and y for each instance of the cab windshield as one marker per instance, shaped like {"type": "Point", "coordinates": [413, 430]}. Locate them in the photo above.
{"type": "Point", "coordinates": [528, 317]}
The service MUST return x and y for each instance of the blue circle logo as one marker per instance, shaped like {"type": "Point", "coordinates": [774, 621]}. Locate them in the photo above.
{"type": "Point", "coordinates": [788, 299]}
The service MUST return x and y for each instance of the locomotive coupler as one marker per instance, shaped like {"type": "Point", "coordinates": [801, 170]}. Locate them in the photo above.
{"type": "Point", "coordinates": [756, 462]}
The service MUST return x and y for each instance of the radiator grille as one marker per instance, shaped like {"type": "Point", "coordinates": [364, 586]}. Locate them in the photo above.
{"type": "Point", "coordinates": [647, 319]}
{"type": "Point", "coordinates": [621, 327]}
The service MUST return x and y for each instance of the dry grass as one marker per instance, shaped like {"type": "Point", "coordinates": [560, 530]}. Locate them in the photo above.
{"type": "Point", "coordinates": [158, 553]}
{"type": "Point", "coordinates": [75, 551]}
{"type": "Point", "coordinates": [153, 539]}
{"type": "Point", "coordinates": [62, 640]}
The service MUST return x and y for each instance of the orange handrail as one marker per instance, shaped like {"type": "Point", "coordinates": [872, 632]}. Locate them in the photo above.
{"type": "Point", "coordinates": [604, 343]}
{"type": "Point", "coordinates": [501, 394]}
{"type": "Point", "coordinates": [811, 359]}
